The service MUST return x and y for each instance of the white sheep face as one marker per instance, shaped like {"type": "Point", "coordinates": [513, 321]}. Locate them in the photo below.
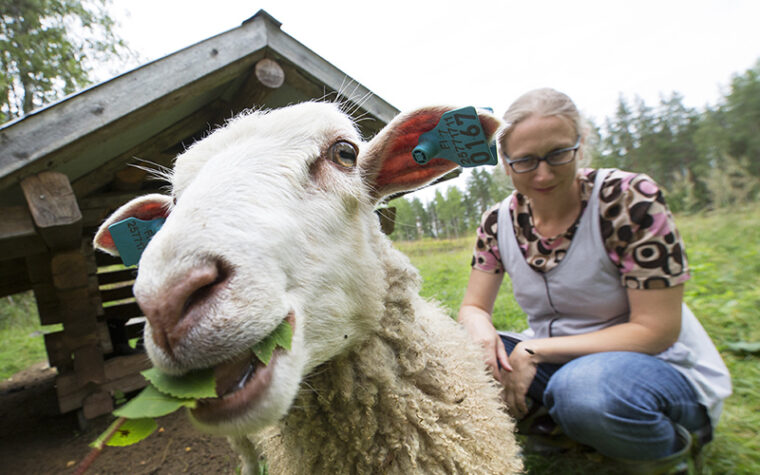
{"type": "Point", "coordinates": [271, 218]}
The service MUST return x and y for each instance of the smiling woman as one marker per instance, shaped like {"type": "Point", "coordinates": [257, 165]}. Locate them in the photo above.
{"type": "Point", "coordinates": [598, 267]}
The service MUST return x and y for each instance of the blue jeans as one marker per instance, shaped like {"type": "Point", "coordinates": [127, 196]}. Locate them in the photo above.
{"type": "Point", "coordinates": [623, 404]}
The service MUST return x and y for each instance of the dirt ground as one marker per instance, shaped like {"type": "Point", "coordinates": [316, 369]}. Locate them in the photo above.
{"type": "Point", "coordinates": [36, 439]}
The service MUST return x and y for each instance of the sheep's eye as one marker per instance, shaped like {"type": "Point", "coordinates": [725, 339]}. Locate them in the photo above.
{"type": "Point", "coordinates": [343, 153]}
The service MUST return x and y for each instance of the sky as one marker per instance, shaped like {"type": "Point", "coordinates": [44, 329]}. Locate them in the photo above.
{"type": "Point", "coordinates": [487, 53]}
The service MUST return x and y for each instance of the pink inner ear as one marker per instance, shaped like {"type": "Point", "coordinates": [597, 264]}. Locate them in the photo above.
{"type": "Point", "coordinates": [399, 168]}
{"type": "Point", "coordinates": [146, 210]}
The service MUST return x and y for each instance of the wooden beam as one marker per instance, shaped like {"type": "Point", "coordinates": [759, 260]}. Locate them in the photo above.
{"type": "Point", "coordinates": [199, 120]}
{"type": "Point", "coordinates": [18, 236]}
{"type": "Point", "coordinates": [54, 209]}
{"type": "Point", "coordinates": [43, 139]}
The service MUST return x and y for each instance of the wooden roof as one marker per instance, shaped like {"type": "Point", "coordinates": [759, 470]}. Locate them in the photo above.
{"type": "Point", "coordinates": [152, 113]}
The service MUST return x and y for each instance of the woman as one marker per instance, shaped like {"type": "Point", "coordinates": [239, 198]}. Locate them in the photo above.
{"type": "Point", "coordinates": [597, 265]}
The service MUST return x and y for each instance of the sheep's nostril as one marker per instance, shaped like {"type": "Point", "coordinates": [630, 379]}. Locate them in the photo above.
{"type": "Point", "coordinates": [220, 275]}
{"type": "Point", "coordinates": [175, 308]}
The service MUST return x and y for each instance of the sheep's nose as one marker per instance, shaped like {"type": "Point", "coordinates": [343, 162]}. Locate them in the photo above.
{"type": "Point", "coordinates": [173, 309]}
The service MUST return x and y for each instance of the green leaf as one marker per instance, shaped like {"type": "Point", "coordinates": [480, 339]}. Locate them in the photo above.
{"type": "Point", "coordinates": [132, 431]}
{"type": "Point", "coordinates": [282, 336]}
{"type": "Point", "coordinates": [194, 385]}
{"type": "Point", "coordinates": [152, 403]}
{"type": "Point", "coordinates": [744, 347]}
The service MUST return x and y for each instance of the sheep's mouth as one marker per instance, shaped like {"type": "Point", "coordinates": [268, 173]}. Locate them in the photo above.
{"type": "Point", "coordinates": [240, 383]}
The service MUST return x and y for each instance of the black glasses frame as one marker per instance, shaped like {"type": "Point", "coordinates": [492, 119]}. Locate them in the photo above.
{"type": "Point", "coordinates": [547, 158]}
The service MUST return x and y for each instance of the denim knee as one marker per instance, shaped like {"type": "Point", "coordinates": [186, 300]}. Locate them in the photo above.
{"type": "Point", "coordinates": [616, 403]}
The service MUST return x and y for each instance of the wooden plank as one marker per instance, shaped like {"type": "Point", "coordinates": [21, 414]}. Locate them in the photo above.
{"type": "Point", "coordinates": [97, 404]}
{"type": "Point", "coordinates": [103, 259]}
{"type": "Point", "coordinates": [117, 293]}
{"type": "Point", "coordinates": [54, 209]}
{"type": "Point", "coordinates": [16, 222]}
{"type": "Point", "coordinates": [50, 130]}
{"type": "Point", "coordinates": [123, 311]}
{"type": "Point", "coordinates": [18, 236]}
{"type": "Point", "coordinates": [58, 352]}
{"type": "Point", "coordinates": [89, 365]}
{"type": "Point", "coordinates": [147, 149]}
{"type": "Point", "coordinates": [48, 305]}
{"type": "Point", "coordinates": [116, 276]}
{"type": "Point", "coordinates": [122, 373]}
{"type": "Point", "coordinates": [69, 270]}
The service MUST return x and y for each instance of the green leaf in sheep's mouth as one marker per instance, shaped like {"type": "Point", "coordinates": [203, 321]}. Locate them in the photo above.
{"type": "Point", "coordinates": [282, 336]}
{"type": "Point", "coordinates": [194, 385]}
{"type": "Point", "coordinates": [152, 403]}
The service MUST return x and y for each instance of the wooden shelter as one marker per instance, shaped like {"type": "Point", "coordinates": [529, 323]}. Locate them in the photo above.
{"type": "Point", "coordinates": [65, 167]}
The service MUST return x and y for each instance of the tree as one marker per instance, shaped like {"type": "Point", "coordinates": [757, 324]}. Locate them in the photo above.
{"type": "Point", "coordinates": [48, 49]}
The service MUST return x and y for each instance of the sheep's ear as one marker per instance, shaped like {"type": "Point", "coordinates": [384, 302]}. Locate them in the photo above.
{"type": "Point", "coordinates": [144, 207]}
{"type": "Point", "coordinates": [387, 162]}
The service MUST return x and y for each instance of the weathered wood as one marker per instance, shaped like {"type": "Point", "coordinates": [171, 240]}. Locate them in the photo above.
{"type": "Point", "coordinates": [269, 73]}
{"type": "Point", "coordinates": [123, 311]}
{"type": "Point", "coordinates": [129, 179]}
{"type": "Point", "coordinates": [105, 260]}
{"type": "Point", "coordinates": [116, 276]}
{"type": "Point", "coordinates": [117, 293]}
{"type": "Point", "coordinates": [122, 373]}
{"type": "Point", "coordinates": [250, 94]}
{"type": "Point", "coordinates": [69, 270]}
{"type": "Point", "coordinates": [58, 352]}
{"type": "Point", "coordinates": [97, 404]}
{"type": "Point", "coordinates": [18, 236]}
{"type": "Point", "coordinates": [160, 84]}
{"type": "Point", "coordinates": [16, 222]}
{"type": "Point", "coordinates": [88, 365]}
{"type": "Point", "coordinates": [168, 137]}
{"type": "Point", "coordinates": [54, 209]}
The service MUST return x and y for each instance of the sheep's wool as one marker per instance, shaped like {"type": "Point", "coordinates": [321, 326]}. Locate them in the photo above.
{"type": "Point", "coordinates": [413, 398]}
{"type": "Point", "coordinates": [272, 218]}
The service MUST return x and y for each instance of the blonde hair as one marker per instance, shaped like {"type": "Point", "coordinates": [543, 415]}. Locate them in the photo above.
{"type": "Point", "coordinates": [544, 102]}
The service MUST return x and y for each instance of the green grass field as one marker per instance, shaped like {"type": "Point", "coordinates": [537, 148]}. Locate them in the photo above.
{"type": "Point", "coordinates": [724, 292]}
{"type": "Point", "coordinates": [723, 249]}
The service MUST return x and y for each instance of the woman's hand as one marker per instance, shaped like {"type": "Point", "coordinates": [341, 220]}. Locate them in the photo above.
{"type": "Point", "coordinates": [481, 330]}
{"type": "Point", "coordinates": [517, 381]}
{"type": "Point", "coordinates": [475, 316]}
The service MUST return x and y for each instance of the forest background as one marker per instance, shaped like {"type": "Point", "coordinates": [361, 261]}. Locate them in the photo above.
{"type": "Point", "coordinates": [703, 159]}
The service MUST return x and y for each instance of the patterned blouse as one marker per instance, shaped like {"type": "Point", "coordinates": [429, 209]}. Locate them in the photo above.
{"type": "Point", "coordinates": [637, 227]}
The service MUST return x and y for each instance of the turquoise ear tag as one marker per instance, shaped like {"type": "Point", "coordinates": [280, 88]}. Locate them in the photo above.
{"type": "Point", "coordinates": [132, 235]}
{"type": "Point", "coordinates": [458, 137]}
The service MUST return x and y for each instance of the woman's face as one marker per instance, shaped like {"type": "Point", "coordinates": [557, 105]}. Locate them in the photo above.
{"type": "Point", "coordinates": [538, 136]}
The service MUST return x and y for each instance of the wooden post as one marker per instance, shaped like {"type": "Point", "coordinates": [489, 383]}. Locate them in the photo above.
{"type": "Point", "coordinates": [65, 272]}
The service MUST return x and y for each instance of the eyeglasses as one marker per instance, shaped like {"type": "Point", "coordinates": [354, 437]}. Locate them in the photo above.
{"type": "Point", "coordinates": [555, 157]}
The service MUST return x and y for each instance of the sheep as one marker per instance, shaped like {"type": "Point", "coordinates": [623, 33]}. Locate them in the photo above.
{"type": "Point", "coordinates": [271, 218]}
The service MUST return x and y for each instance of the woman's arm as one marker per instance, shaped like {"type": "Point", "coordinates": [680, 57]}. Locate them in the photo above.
{"type": "Point", "coordinates": [475, 315]}
{"type": "Point", "coordinates": [654, 325]}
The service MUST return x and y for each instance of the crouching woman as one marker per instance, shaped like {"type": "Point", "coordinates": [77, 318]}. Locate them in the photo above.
{"type": "Point", "coordinates": [598, 267]}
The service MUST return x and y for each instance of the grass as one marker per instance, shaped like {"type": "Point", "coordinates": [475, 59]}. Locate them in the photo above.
{"type": "Point", "coordinates": [723, 249]}
{"type": "Point", "coordinates": [724, 292]}
{"type": "Point", "coordinates": [21, 334]}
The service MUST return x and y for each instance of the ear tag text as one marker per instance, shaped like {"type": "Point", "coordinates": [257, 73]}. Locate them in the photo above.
{"type": "Point", "coordinates": [132, 235]}
{"type": "Point", "coordinates": [459, 138]}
